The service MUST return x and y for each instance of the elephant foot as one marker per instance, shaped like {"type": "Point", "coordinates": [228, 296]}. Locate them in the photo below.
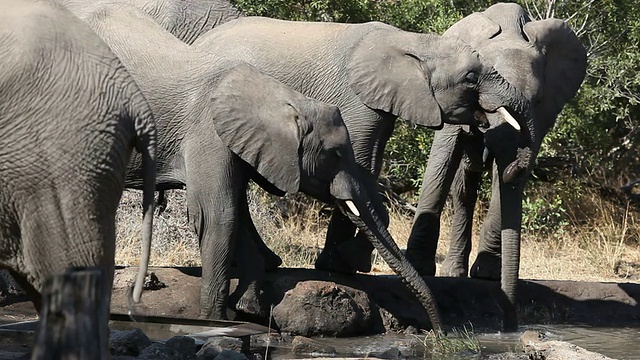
{"type": "Point", "coordinates": [424, 266]}
{"type": "Point", "coordinates": [330, 260]}
{"type": "Point", "coordinates": [453, 268]}
{"type": "Point", "coordinates": [247, 301]}
{"type": "Point", "coordinates": [487, 266]}
{"type": "Point", "coordinates": [249, 304]}
{"type": "Point", "coordinates": [357, 253]}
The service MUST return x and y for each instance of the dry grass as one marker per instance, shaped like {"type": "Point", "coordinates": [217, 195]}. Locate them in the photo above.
{"type": "Point", "coordinates": [605, 248]}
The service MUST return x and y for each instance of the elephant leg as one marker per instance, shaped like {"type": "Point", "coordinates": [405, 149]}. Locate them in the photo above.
{"type": "Point", "coordinates": [251, 266]}
{"type": "Point", "coordinates": [270, 259]}
{"type": "Point", "coordinates": [357, 251]}
{"type": "Point", "coordinates": [340, 230]}
{"type": "Point", "coordinates": [343, 252]}
{"type": "Point", "coordinates": [464, 196]}
{"type": "Point", "coordinates": [213, 195]}
{"type": "Point", "coordinates": [488, 262]}
{"type": "Point", "coordinates": [444, 159]}
{"type": "Point", "coordinates": [57, 233]}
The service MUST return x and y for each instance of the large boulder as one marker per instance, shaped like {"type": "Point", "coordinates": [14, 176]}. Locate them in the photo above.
{"type": "Point", "coordinates": [315, 308]}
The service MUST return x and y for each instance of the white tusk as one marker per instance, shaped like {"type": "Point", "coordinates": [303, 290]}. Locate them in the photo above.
{"type": "Point", "coordinates": [508, 118]}
{"type": "Point", "coordinates": [352, 207]}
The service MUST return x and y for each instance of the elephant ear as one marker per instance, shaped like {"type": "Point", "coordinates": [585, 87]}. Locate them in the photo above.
{"type": "Point", "coordinates": [386, 75]}
{"type": "Point", "coordinates": [254, 118]}
{"type": "Point", "coordinates": [565, 62]}
{"type": "Point", "coordinates": [474, 29]}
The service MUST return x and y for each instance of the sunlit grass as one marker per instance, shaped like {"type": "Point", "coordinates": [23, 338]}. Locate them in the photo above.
{"type": "Point", "coordinates": [603, 249]}
{"type": "Point", "coordinates": [456, 342]}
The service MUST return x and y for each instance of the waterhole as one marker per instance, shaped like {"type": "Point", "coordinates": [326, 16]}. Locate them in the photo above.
{"type": "Point", "coordinates": [617, 343]}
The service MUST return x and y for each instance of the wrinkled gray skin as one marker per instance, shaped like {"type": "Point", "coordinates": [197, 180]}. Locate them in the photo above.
{"type": "Point", "coordinates": [545, 61]}
{"type": "Point", "coordinates": [222, 123]}
{"type": "Point", "coordinates": [65, 142]}
{"type": "Point", "coordinates": [185, 19]}
{"type": "Point", "coordinates": [374, 73]}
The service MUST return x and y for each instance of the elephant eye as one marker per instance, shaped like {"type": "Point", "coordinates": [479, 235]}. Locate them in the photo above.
{"type": "Point", "coordinates": [472, 77]}
{"type": "Point", "coordinates": [338, 153]}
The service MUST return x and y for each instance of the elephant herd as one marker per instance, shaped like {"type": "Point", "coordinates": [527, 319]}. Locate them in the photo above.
{"type": "Point", "coordinates": [212, 100]}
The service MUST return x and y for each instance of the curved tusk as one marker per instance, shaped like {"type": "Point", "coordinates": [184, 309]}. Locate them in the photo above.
{"type": "Point", "coordinates": [508, 118]}
{"type": "Point", "coordinates": [352, 207]}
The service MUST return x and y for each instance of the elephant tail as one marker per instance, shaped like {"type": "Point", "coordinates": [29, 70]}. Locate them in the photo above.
{"type": "Point", "coordinates": [145, 144]}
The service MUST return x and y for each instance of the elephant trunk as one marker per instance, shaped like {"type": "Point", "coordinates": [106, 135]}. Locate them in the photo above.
{"type": "Point", "coordinates": [505, 100]}
{"type": "Point", "coordinates": [514, 166]}
{"type": "Point", "coordinates": [361, 212]}
{"type": "Point", "coordinates": [511, 203]}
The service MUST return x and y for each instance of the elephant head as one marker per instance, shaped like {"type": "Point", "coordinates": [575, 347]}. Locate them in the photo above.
{"type": "Point", "coordinates": [546, 62]}
{"type": "Point", "coordinates": [302, 144]}
{"type": "Point", "coordinates": [429, 80]}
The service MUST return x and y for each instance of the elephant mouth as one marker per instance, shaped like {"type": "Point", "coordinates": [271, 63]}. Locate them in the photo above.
{"type": "Point", "coordinates": [496, 118]}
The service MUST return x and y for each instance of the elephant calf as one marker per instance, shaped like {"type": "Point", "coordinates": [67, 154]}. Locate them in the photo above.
{"type": "Point", "coordinates": [222, 123]}
{"type": "Point", "coordinates": [70, 116]}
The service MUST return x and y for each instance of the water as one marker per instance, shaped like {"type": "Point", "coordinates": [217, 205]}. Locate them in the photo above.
{"type": "Point", "coordinates": [617, 343]}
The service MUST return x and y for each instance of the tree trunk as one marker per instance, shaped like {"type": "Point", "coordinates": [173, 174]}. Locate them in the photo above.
{"type": "Point", "coordinates": [74, 316]}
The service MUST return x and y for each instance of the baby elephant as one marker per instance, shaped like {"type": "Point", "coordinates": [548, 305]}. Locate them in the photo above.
{"type": "Point", "coordinates": [222, 123]}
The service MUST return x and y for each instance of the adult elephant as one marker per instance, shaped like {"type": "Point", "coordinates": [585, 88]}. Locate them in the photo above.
{"type": "Point", "coordinates": [546, 62]}
{"type": "Point", "coordinates": [374, 73]}
{"type": "Point", "coordinates": [70, 116]}
{"type": "Point", "coordinates": [222, 123]}
{"type": "Point", "coordinates": [186, 20]}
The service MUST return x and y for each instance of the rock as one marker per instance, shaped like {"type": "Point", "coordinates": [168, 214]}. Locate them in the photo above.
{"type": "Point", "coordinates": [151, 282]}
{"type": "Point", "coordinates": [230, 355]}
{"type": "Point", "coordinates": [184, 346]}
{"type": "Point", "coordinates": [303, 345]}
{"type": "Point", "coordinates": [324, 308]}
{"type": "Point", "coordinates": [536, 346]}
{"type": "Point", "coordinates": [128, 342]}
{"type": "Point", "coordinates": [176, 348]}
{"type": "Point", "coordinates": [224, 342]}
{"type": "Point", "coordinates": [208, 353]}
{"type": "Point", "coordinates": [214, 346]}
{"type": "Point", "coordinates": [267, 339]}
{"type": "Point", "coordinates": [157, 351]}
{"type": "Point", "coordinates": [389, 354]}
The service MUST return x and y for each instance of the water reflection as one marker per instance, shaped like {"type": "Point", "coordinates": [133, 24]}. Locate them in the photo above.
{"type": "Point", "coordinates": [617, 343]}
